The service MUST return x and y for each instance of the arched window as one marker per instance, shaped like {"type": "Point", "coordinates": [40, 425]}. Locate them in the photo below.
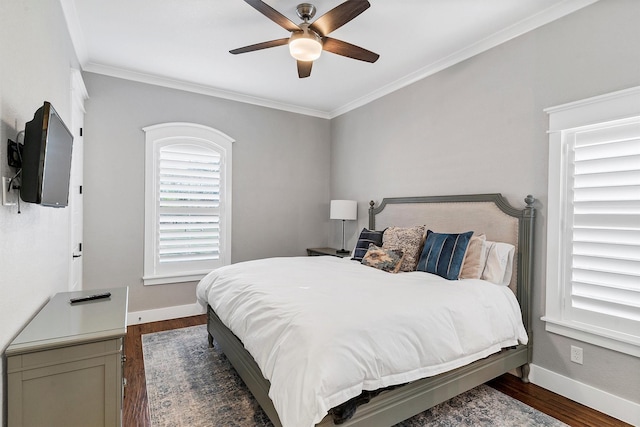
{"type": "Point", "coordinates": [187, 202]}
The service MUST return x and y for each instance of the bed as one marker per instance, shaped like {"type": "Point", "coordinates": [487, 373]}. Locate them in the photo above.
{"type": "Point", "coordinates": [265, 348]}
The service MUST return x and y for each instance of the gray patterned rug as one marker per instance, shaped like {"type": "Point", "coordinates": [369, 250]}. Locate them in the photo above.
{"type": "Point", "coordinates": [189, 384]}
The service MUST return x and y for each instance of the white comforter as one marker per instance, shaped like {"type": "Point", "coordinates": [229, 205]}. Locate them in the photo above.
{"type": "Point", "coordinates": [323, 329]}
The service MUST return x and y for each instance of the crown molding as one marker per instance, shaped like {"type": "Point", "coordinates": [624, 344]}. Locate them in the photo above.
{"type": "Point", "coordinates": [75, 30]}
{"type": "Point", "coordinates": [546, 16]}
{"type": "Point", "coordinates": [200, 89]}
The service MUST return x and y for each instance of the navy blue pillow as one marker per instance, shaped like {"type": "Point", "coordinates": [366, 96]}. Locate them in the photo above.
{"type": "Point", "coordinates": [366, 238]}
{"type": "Point", "coordinates": [443, 254]}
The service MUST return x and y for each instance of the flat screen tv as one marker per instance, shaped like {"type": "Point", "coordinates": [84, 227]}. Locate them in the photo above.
{"type": "Point", "coordinates": [46, 159]}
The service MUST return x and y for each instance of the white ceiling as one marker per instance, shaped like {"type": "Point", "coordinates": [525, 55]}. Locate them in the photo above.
{"type": "Point", "coordinates": [185, 44]}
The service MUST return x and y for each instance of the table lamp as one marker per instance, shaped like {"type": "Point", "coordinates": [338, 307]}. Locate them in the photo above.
{"type": "Point", "coordinates": [345, 210]}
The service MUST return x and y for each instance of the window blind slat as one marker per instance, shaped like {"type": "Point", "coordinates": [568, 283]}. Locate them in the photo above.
{"type": "Point", "coordinates": [178, 234]}
{"type": "Point", "coordinates": [189, 219]}
{"type": "Point", "coordinates": [623, 297]}
{"type": "Point", "coordinates": [607, 221]}
{"type": "Point", "coordinates": [189, 149]}
{"type": "Point", "coordinates": [623, 237]}
{"type": "Point", "coordinates": [609, 149]}
{"type": "Point", "coordinates": [622, 266]}
{"type": "Point", "coordinates": [189, 180]}
{"type": "Point", "coordinates": [606, 134]}
{"type": "Point", "coordinates": [610, 308]}
{"type": "Point", "coordinates": [202, 156]}
{"type": "Point", "coordinates": [625, 163]}
{"type": "Point", "coordinates": [190, 241]}
{"type": "Point", "coordinates": [188, 195]}
{"type": "Point", "coordinates": [200, 204]}
{"type": "Point", "coordinates": [175, 258]}
{"type": "Point", "coordinates": [630, 207]}
{"type": "Point", "coordinates": [607, 193]}
{"type": "Point", "coordinates": [188, 226]}
{"type": "Point", "coordinates": [194, 249]}
{"type": "Point", "coordinates": [604, 250]}
{"type": "Point", "coordinates": [169, 192]}
{"type": "Point", "coordinates": [617, 178]}
{"type": "Point", "coordinates": [177, 165]}
{"type": "Point", "coordinates": [614, 280]}
{"type": "Point", "coordinates": [179, 173]}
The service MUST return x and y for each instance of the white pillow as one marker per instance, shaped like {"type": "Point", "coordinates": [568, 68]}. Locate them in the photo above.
{"type": "Point", "coordinates": [499, 264]}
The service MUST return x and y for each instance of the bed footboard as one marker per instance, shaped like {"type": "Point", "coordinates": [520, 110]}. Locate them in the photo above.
{"type": "Point", "coordinates": [388, 408]}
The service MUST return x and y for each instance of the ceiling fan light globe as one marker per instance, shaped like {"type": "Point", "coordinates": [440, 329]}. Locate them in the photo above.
{"type": "Point", "coordinates": [305, 48]}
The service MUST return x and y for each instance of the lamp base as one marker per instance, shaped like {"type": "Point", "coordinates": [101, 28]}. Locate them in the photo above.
{"type": "Point", "coordinates": [342, 251]}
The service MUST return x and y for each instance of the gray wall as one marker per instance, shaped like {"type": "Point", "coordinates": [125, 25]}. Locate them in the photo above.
{"type": "Point", "coordinates": [280, 181]}
{"type": "Point", "coordinates": [36, 57]}
{"type": "Point", "coordinates": [479, 127]}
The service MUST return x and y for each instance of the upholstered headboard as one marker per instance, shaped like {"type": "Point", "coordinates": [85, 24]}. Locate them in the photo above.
{"type": "Point", "coordinates": [490, 214]}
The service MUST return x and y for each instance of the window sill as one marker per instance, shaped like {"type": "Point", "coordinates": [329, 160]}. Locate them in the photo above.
{"type": "Point", "coordinates": [167, 279]}
{"type": "Point", "coordinates": [603, 338]}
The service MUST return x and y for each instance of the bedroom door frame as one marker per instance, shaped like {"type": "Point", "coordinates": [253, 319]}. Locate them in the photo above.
{"type": "Point", "coordinates": [78, 96]}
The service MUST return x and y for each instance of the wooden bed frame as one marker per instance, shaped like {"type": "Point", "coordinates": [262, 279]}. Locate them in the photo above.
{"type": "Point", "coordinates": [488, 213]}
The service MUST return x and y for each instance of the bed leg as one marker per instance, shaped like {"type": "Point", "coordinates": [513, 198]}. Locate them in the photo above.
{"type": "Point", "coordinates": [210, 340]}
{"type": "Point", "coordinates": [524, 373]}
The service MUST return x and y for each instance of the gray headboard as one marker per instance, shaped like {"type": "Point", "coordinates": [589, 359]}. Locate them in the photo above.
{"type": "Point", "coordinates": [490, 214]}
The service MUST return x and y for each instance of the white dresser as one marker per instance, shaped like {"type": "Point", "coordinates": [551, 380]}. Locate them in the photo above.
{"type": "Point", "coordinates": [65, 367]}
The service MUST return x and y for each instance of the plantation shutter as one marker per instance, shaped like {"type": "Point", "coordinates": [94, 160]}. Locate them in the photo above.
{"type": "Point", "coordinates": [189, 204]}
{"type": "Point", "coordinates": [605, 270]}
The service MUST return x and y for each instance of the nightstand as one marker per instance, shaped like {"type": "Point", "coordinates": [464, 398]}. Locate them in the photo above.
{"type": "Point", "coordinates": [327, 251]}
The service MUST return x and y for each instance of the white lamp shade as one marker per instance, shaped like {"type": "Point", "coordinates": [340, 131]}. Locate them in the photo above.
{"type": "Point", "coordinates": [344, 209]}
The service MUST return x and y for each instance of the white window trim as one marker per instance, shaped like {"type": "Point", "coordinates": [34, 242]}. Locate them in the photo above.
{"type": "Point", "coordinates": [155, 135]}
{"type": "Point", "coordinates": [611, 107]}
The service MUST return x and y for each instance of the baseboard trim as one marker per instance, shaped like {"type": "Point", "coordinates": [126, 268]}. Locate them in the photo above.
{"type": "Point", "coordinates": [164, 313]}
{"type": "Point", "coordinates": [587, 395]}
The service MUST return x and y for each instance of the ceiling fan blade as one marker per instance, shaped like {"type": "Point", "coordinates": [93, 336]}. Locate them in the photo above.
{"type": "Point", "coordinates": [349, 50]}
{"type": "Point", "coordinates": [304, 68]}
{"type": "Point", "coordinates": [259, 46]}
{"type": "Point", "coordinates": [274, 15]}
{"type": "Point", "coordinates": [338, 16]}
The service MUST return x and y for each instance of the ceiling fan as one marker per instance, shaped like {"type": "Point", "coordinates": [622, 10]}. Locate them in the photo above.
{"type": "Point", "coordinates": [307, 39]}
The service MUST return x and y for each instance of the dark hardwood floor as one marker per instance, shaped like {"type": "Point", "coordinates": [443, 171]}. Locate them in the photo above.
{"type": "Point", "coordinates": [136, 413]}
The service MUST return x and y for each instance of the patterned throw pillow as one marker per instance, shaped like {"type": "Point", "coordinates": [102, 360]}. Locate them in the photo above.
{"type": "Point", "coordinates": [366, 238]}
{"type": "Point", "coordinates": [443, 254]}
{"type": "Point", "coordinates": [388, 260]}
{"type": "Point", "coordinates": [409, 240]}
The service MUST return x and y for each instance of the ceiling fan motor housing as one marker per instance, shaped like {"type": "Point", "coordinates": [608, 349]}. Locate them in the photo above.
{"type": "Point", "coordinates": [306, 11]}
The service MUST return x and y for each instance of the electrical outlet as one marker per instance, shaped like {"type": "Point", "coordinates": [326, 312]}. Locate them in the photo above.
{"type": "Point", "coordinates": [576, 354]}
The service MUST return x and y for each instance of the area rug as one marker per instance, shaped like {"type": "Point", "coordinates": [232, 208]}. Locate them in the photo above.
{"type": "Point", "coordinates": [190, 384]}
